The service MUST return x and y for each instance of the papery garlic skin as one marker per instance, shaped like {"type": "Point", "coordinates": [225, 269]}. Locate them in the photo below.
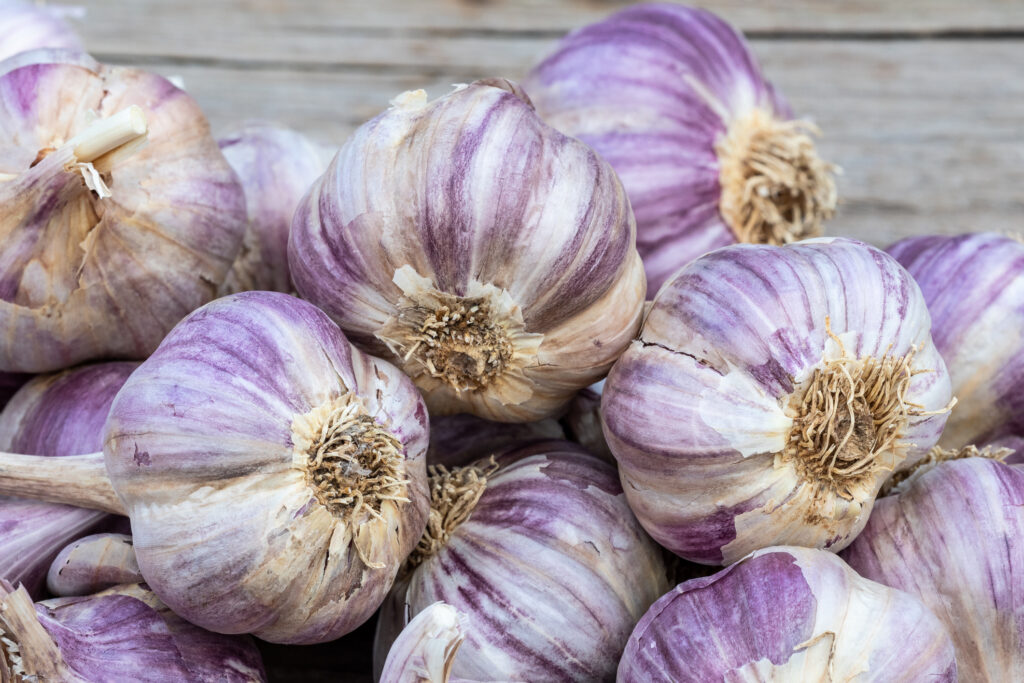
{"type": "Point", "coordinates": [54, 415]}
{"type": "Point", "coordinates": [469, 219]}
{"type": "Point", "coordinates": [952, 537]}
{"type": "Point", "coordinates": [550, 569]}
{"type": "Point", "coordinates": [86, 277]}
{"type": "Point", "coordinates": [974, 286]}
{"type": "Point", "coordinates": [426, 648]}
{"type": "Point", "coordinates": [458, 440]}
{"type": "Point", "coordinates": [673, 98]}
{"type": "Point", "coordinates": [701, 410]}
{"type": "Point", "coordinates": [276, 166]}
{"type": "Point", "coordinates": [209, 445]}
{"type": "Point", "coordinates": [28, 26]}
{"type": "Point", "coordinates": [118, 635]}
{"type": "Point", "coordinates": [787, 614]}
{"type": "Point", "coordinates": [93, 564]}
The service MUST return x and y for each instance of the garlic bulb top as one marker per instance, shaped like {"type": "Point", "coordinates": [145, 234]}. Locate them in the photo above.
{"type": "Point", "coordinates": [540, 552]}
{"type": "Point", "coordinates": [276, 166]}
{"type": "Point", "coordinates": [708, 151]}
{"type": "Point", "coordinates": [122, 634]}
{"type": "Point", "coordinates": [953, 536]}
{"type": "Point", "coordinates": [487, 254]}
{"type": "Point", "coordinates": [120, 213]}
{"type": "Point", "coordinates": [93, 564]}
{"type": "Point", "coordinates": [26, 26]}
{"type": "Point", "coordinates": [974, 286]}
{"type": "Point", "coordinates": [274, 475]}
{"type": "Point", "coordinates": [787, 614]}
{"type": "Point", "coordinates": [425, 649]}
{"type": "Point", "coordinates": [770, 394]}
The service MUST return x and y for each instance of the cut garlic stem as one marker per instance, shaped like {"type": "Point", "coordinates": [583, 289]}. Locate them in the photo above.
{"type": "Point", "coordinates": [106, 135]}
{"type": "Point", "coordinates": [79, 480]}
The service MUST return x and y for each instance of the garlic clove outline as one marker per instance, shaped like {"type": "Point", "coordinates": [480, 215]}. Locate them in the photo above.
{"type": "Point", "coordinates": [92, 564]}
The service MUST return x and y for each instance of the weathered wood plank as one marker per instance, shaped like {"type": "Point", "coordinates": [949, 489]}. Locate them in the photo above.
{"type": "Point", "coordinates": [927, 133]}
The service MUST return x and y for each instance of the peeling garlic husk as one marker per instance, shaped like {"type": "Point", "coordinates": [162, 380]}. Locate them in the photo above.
{"type": "Point", "coordinates": [755, 364]}
{"type": "Point", "coordinates": [124, 633]}
{"type": "Point", "coordinates": [539, 551]}
{"type": "Point", "coordinates": [459, 440]}
{"type": "Point", "coordinates": [92, 564]}
{"type": "Point", "coordinates": [788, 614]}
{"type": "Point", "coordinates": [54, 415]}
{"type": "Point", "coordinates": [952, 537]}
{"type": "Point", "coordinates": [974, 287]}
{"type": "Point", "coordinates": [708, 151]}
{"type": "Point", "coordinates": [488, 255]}
{"type": "Point", "coordinates": [121, 215]}
{"type": "Point", "coordinates": [28, 26]}
{"type": "Point", "coordinates": [425, 649]}
{"type": "Point", "coordinates": [276, 166]}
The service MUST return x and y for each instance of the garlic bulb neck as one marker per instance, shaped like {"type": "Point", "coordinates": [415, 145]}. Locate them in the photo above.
{"type": "Point", "coordinates": [850, 419]}
{"type": "Point", "coordinates": [454, 494]}
{"type": "Point", "coordinates": [79, 480]}
{"type": "Point", "coordinates": [352, 462]}
{"type": "Point", "coordinates": [775, 187]}
{"type": "Point", "coordinates": [27, 651]}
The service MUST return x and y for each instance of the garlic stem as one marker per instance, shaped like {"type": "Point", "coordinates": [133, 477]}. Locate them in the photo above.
{"type": "Point", "coordinates": [106, 135]}
{"type": "Point", "coordinates": [79, 480]}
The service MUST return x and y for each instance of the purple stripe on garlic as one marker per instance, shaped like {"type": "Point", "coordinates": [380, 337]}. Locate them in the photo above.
{"type": "Point", "coordinates": [787, 614]}
{"type": "Point", "coordinates": [952, 536]}
{"type": "Point", "coordinates": [27, 26]}
{"type": "Point", "coordinates": [93, 564]}
{"type": "Point", "coordinates": [771, 393]}
{"type": "Point", "coordinates": [489, 255]}
{"type": "Point", "coordinates": [708, 152]}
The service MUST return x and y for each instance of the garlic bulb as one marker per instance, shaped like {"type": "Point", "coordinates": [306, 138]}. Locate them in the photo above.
{"type": "Point", "coordinates": [459, 440]}
{"type": "Point", "coordinates": [120, 213]}
{"type": "Point", "coordinates": [10, 382]}
{"type": "Point", "coordinates": [1015, 444]}
{"type": "Point", "coordinates": [708, 151]}
{"type": "Point", "coordinates": [92, 564]}
{"type": "Point", "coordinates": [276, 166]}
{"type": "Point", "coordinates": [488, 255]}
{"type": "Point", "coordinates": [787, 614]}
{"type": "Point", "coordinates": [274, 475]}
{"type": "Point", "coordinates": [952, 537]}
{"type": "Point", "coordinates": [53, 415]}
{"type": "Point", "coordinates": [974, 286]}
{"type": "Point", "coordinates": [123, 634]}
{"type": "Point", "coordinates": [425, 649]}
{"type": "Point", "coordinates": [27, 26]}
{"type": "Point", "coordinates": [768, 398]}
{"type": "Point", "coordinates": [539, 550]}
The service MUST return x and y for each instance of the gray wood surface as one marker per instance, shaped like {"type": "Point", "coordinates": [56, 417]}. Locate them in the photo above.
{"type": "Point", "coordinates": [921, 101]}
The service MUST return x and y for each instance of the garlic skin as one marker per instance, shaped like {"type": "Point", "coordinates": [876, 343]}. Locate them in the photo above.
{"type": "Point", "coordinates": [974, 286]}
{"type": "Point", "coordinates": [951, 536]}
{"type": "Point", "coordinates": [583, 421]}
{"type": "Point", "coordinates": [276, 166]}
{"type": "Point", "coordinates": [93, 564]}
{"type": "Point", "coordinates": [459, 440]}
{"type": "Point", "coordinates": [118, 635]}
{"type": "Point", "coordinates": [53, 415]}
{"type": "Point", "coordinates": [274, 475]}
{"type": "Point", "coordinates": [485, 253]}
{"type": "Point", "coordinates": [28, 26]}
{"type": "Point", "coordinates": [711, 415]}
{"type": "Point", "coordinates": [787, 614]}
{"type": "Point", "coordinates": [549, 567]}
{"type": "Point", "coordinates": [425, 649]}
{"type": "Point", "coordinates": [708, 151]}
{"type": "Point", "coordinates": [106, 241]}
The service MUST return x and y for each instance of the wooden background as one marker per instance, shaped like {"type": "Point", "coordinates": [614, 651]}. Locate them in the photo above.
{"type": "Point", "coordinates": [921, 101]}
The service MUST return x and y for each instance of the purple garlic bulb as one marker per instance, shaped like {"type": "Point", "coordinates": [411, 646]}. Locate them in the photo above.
{"type": "Point", "coordinates": [276, 166]}
{"type": "Point", "coordinates": [53, 415]}
{"type": "Point", "coordinates": [974, 286]}
{"type": "Point", "coordinates": [458, 440]}
{"type": "Point", "coordinates": [788, 614]}
{"type": "Point", "coordinates": [768, 399]}
{"type": "Point", "coordinates": [488, 255]}
{"type": "Point", "coordinates": [953, 536]}
{"type": "Point", "coordinates": [539, 550]}
{"type": "Point", "coordinates": [425, 649]}
{"type": "Point", "coordinates": [1014, 444]}
{"type": "Point", "coordinates": [120, 216]}
{"type": "Point", "coordinates": [708, 151]}
{"type": "Point", "coordinates": [123, 634]}
{"type": "Point", "coordinates": [10, 382]}
{"type": "Point", "coordinates": [93, 564]}
{"type": "Point", "coordinates": [27, 26]}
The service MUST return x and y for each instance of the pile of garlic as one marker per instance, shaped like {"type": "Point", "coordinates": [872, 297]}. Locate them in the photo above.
{"type": "Point", "coordinates": [545, 382]}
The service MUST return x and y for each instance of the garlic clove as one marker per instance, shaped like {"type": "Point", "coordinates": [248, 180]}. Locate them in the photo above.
{"type": "Point", "coordinates": [93, 564]}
